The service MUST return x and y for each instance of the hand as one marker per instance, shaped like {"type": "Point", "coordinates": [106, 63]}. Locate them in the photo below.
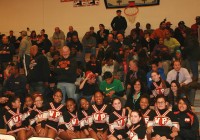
{"type": "Point", "coordinates": [18, 124]}
{"type": "Point", "coordinates": [182, 84]}
{"type": "Point", "coordinates": [163, 138]}
{"type": "Point", "coordinates": [111, 93]}
{"type": "Point", "coordinates": [174, 134]}
{"type": "Point", "coordinates": [174, 129]}
{"type": "Point", "coordinates": [10, 93]}
{"type": "Point", "coordinates": [3, 100]}
{"type": "Point", "coordinates": [119, 137]}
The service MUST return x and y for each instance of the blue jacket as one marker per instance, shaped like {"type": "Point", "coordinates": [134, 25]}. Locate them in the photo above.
{"type": "Point", "coordinates": [149, 80]}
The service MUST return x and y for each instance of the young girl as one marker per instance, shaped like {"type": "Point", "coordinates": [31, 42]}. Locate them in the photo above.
{"type": "Point", "coordinates": [14, 120]}
{"type": "Point", "coordinates": [162, 124]}
{"type": "Point", "coordinates": [85, 116]}
{"type": "Point", "coordinates": [138, 129]}
{"type": "Point", "coordinates": [28, 106]}
{"type": "Point", "coordinates": [38, 117]}
{"type": "Point", "coordinates": [158, 86]}
{"type": "Point", "coordinates": [188, 121]}
{"type": "Point", "coordinates": [145, 108]}
{"type": "Point", "coordinates": [55, 112]}
{"type": "Point", "coordinates": [70, 129]}
{"type": "Point", "coordinates": [100, 115]}
{"type": "Point", "coordinates": [117, 121]}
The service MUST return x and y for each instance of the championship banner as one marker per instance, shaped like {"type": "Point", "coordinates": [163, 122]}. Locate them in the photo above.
{"type": "Point", "coordinates": [81, 3]}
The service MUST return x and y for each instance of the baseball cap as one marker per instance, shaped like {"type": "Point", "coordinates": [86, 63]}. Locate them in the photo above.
{"type": "Point", "coordinates": [92, 75]}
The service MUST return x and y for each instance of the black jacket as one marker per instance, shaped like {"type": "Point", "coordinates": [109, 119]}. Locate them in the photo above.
{"type": "Point", "coordinates": [119, 23]}
{"type": "Point", "coordinates": [65, 70]}
{"type": "Point", "coordinates": [39, 69]}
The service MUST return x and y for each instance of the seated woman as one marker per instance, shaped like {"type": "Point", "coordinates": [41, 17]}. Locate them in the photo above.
{"type": "Point", "coordinates": [138, 129]}
{"type": "Point", "coordinates": [175, 94]}
{"type": "Point", "coordinates": [14, 120]}
{"type": "Point", "coordinates": [85, 116]}
{"type": "Point", "coordinates": [188, 121]}
{"type": "Point", "coordinates": [38, 117]}
{"type": "Point", "coordinates": [100, 115]}
{"type": "Point", "coordinates": [70, 128]}
{"type": "Point", "coordinates": [55, 112]}
{"type": "Point", "coordinates": [158, 86]}
{"type": "Point", "coordinates": [133, 99]}
{"type": "Point", "coordinates": [162, 124]}
{"type": "Point", "coordinates": [117, 121]}
{"type": "Point", "coordinates": [145, 108]}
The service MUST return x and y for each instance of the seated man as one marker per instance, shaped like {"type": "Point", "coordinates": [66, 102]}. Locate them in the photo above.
{"type": "Point", "coordinates": [171, 42]}
{"type": "Point", "coordinates": [111, 87]}
{"type": "Point", "coordinates": [15, 85]}
{"type": "Point", "coordinates": [70, 34]}
{"type": "Point", "coordinates": [58, 38]}
{"type": "Point", "coordinates": [183, 77]}
{"type": "Point", "coordinates": [89, 43]}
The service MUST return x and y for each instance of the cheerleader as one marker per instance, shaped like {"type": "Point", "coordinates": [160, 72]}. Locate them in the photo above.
{"type": "Point", "coordinates": [138, 129]}
{"type": "Point", "coordinates": [188, 121]}
{"type": "Point", "coordinates": [162, 124]}
{"type": "Point", "coordinates": [55, 110]}
{"type": "Point", "coordinates": [85, 116]}
{"type": "Point", "coordinates": [38, 117]}
{"type": "Point", "coordinates": [158, 86]}
{"type": "Point", "coordinates": [117, 121]}
{"type": "Point", "coordinates": [100, 115]}
{"type": "Point", "coordinates": [145, 108]}
{"type": "Point", "coordinates": [70, 129]}
{"type": "Point", "coordinates": [14, 120]}
{"type": "Point", "coordinates": [29, 106]}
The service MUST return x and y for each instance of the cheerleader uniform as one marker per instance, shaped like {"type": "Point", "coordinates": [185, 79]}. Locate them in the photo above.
{"type": "Point", "coordinates": [137, 131]}
{"type": "Point", "coordinates": [158, 88]}
{"type": "Point", "coordinates": [55, 113]}
{"type": "Point", "coordinates": [13, 117]}
{"type": "Point", "coordinates": [162, 122]}
{"type": "Point", "coordinates": [146, 113]}
{"type": "Point", "coordinates": [189, 125]}
{"type": "Point", "coordinates": [100, 117]}
{"type": "Point", "coordinates": [117, 123]}
{"type": "Point", "coordinates": [38, 117]}
{"type": "Point", "coordinates": [85, 119]}
{"type": "Point", "coordinates": [27, 112]}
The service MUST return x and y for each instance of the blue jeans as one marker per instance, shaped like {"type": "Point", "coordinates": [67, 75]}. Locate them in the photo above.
{"type": "Point", "coordinates": [194, 69]}
{"type": "Point", "coordinates": [68, 89]}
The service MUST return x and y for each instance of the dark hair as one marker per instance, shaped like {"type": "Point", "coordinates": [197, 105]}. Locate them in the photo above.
{"type": "Point", "coordinates": [102, 25]}
{"type": "Point", "coordinates": [140, 115]}
{"type": "Point", "coordinates": [70, 99]}
{"type": "Point", "coordinates": [186, 101]}
{"type": "Point", "coordinates": [99, 92]}
{"type": "Point", "coordinates": [177, 83]}
{"type": "Point", "coordinates": [29, 96]}
{"type": "Point", "coordinates": [160, 96]}
{"type": "Point", "coordinates": [31, 35]}
{"type": "Point", "coordinates": [58, 90]}
{"type": "Point", "coordinates": [146, 96]}
{"type": "Point", "coordinates": [134, 82]}
{"type": "Point", "coordinates": [12, 100]}
{"type": "Point", "coordinates": [82, 98]}
{"type": "Point", "coordinates": [116, 98]}
{"type": "Point", "coordinates": [107, 75]}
